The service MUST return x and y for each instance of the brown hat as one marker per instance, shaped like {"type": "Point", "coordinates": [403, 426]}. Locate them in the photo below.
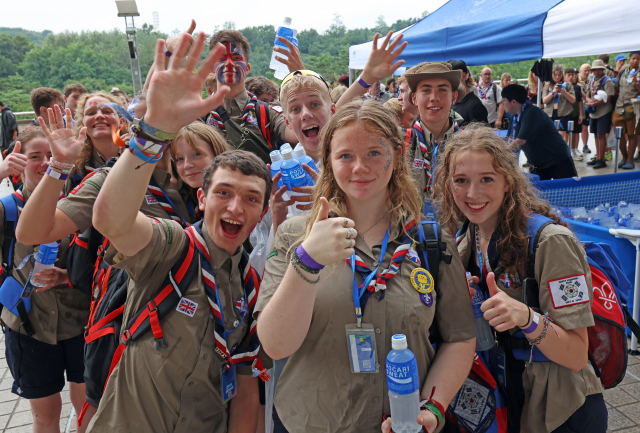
{"type": "Point", "coordinates": [428, 70]}
{"type": "Point", "coordinates": [598, 64]}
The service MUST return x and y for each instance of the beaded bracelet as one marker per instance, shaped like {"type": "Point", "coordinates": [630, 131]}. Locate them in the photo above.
{"type": "Point", "coordinates": [59, 170]}
{"type": "Point", "coordinates": [546, 320]}
{"type": "Point", "coordinates": [61, 165]}
{"type": "Point", "coordinates": [298, 261]}
{"type": "Point", "coordinates": [295, 268]}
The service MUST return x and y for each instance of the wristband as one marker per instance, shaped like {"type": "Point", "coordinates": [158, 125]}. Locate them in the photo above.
{"type": "Point", "coordinates": [307, 260]}
{"type": "Point", "coordinates": [534, 324]}
{"type": "Point", "coordinates": [363, 83]}
{"type": "Point", "coordinates": [140, 128]}
{"type": "Point", "coordinates": [167, 53]}
{"type": "Point", "coordinates": [56, 175]}
{"type": "Point", "coordinates": [146, 147]}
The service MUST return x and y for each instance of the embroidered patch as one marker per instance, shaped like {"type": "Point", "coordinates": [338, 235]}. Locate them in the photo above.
{"type": "Point", "coordinates": [418, 163]}
{"type": "Point", "coordinates": [241, 305]}
{"type": "Point", "coordinates": [276, 108]}
{"type": "Point", "coordinates": [93, 184]}
{"type": "Point", "coordinates": [169, 232]}
{"type": "Point", "coordinates": [187, 306]}
{"type": "Point", "coordinates": [272, 254]}
{"type": "Point", "coordinates": [151, 199]}
{"type": "Point", "coordinates": [569, 291]}
{"type": "Point", "coordinates": [74, 190]}
{"type": "Point", "coordinates": [413, 256]}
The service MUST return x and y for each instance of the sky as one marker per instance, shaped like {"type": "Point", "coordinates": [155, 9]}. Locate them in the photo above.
{"type": "Point", "coordinates": [78, 15]}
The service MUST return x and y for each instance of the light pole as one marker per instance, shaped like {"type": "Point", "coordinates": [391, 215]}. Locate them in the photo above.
{"type": "Point", "coordinates": [129, 9]}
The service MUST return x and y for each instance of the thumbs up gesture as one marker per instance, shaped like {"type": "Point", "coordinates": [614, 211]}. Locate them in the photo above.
{"type": "Point", "coordinates": [502, 311]}
{"type": "Point", "coordinates": [331, 239]}
{"type": "Point", "coordinates": [14, 164]}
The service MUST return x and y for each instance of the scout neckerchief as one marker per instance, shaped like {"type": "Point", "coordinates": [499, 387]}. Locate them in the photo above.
{"type": "Point", "coordinates": [247, 303]}
{"type": "Point", "coordinates": [166, 203]}
{"type": "Point", "coordinates": [216, 120]}
{"type": "Point", "coordinates": [430, 165]}
{"type": "Point", "coordinates": [374, 281]}
{"type": "Point", "coordinates": [19, 198]}
{"type": "Point", "coordinates": [601, 82]}
{"type": "Point", "coordinates": [516, 121]}
{"type": "Point", "coordinates": [483, 93]}
{"type": "Point", "coordinates": [193, 207]}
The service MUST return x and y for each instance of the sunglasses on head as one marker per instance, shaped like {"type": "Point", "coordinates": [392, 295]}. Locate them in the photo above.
{"type": "Point", "coordinates": [308, 72]}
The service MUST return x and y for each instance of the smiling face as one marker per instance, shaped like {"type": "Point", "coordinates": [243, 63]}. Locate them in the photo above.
{"type": "Point", "coordinates": [362, 163]}
{"type": "Point", "coordinates": [98, 118]}
{"type": "Point", "coordinates": [190, 163]}
{"type": "Point", "coordinates": [232, 206]}
{"type": "Point", "coordinates": [434, 99]}
{"type": "Point", "coordinates": [307, 111]}
{"type": "Point", "coordinates": [478, 189]}
{"type": "Point", "coordinates": [232, 66]}
{"type": "Point", "coordinates": [38, 155]}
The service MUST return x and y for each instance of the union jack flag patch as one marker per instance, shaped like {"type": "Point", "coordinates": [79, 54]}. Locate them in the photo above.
{"type": "Point", "coordinates": [241, 305]}
{"type": "Point", "coordinates": [187, 307]}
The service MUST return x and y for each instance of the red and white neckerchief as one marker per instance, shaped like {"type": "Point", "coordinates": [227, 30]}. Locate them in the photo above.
{"type": "Point", "coordinates": [216, 120]}
{"type": "Point", "coordinates": [483, 93]}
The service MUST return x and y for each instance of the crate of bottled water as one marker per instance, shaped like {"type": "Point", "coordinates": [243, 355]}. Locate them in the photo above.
{"type": "Point", "coordinates": [622, 215]}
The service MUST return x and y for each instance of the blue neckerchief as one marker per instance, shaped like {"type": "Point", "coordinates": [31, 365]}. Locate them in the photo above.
{"type": "Point", "coordinates": [516, 121]}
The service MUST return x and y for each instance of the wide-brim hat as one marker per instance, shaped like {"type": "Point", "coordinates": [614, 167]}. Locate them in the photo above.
{"type": "Point", "coordinates": [598, 64]}
{"type": "Point", "coordinates": [427, 70]}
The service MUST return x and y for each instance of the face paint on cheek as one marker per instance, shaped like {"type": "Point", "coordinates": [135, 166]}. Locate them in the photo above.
{"type": "Point", "coordinates": [234, 67]}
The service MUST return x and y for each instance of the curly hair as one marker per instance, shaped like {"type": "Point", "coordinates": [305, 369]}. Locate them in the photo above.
{"type": "Point", "coordinates": [87, 151]}
{"type": "Point", "coordinates": [403, 198]}
{"type": "Point", "coordinates": [520, 199]}
{"type": "Point", "coordinates": [261, 85]}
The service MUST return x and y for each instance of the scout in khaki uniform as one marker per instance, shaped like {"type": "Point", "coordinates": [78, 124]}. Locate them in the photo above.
{"type": "Point", "coordinates": [624, 115]}
{"type": "Point", "coordinates": [185, 386]}
{"type": "Point", "coordinates": [600, 123]}
{"type": "Point", "coordinates": [40, 361]}
{"type": "Point", "coordinates": [557, 96]}
{"type": "Point", "coordinates": [479, 178]}
{"type": "Point", "coordinates": [303, 307]}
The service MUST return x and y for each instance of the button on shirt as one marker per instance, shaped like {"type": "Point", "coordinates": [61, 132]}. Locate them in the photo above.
{"type": "Point", "coordinates": [553, 392]}
{"type": "Point", "coordinates": [176, 389]}
{"type": "Point", "coordinates": [317, 391]}
{"type": "Point", "coordinates": [56, 314]}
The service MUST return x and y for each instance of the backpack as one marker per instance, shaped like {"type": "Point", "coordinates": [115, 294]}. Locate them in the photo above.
{"type": "Point", "coordinates": [12, 203]}
{"type": "Point", "coordinates": [588, 108]}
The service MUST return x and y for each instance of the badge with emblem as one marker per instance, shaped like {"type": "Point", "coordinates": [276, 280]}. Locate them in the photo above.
{"type": "Point", "coordinates": [427, 299]}
{"type": "Point", "coordinates": [421, 280]}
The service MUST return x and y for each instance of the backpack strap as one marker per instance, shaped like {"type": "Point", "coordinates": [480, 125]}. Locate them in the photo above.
{"type": "Point", "coordinates": [264, 121]}
{"type": "Point", "coordinates": [10, 222]}
{"type": "Point", "coordinates": [244, 138]}
{"type": "Point", "coordinates": [495, 96]}
{"type": "Point", "coordinates": [635, 328]}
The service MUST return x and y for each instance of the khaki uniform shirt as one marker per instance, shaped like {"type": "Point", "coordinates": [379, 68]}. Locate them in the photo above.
{"type": "Point", "coordinates": [422, 174]}
{"type": "Point", "coordinates": [602, 109]}
{"type": "Point", "coordinates": [56, 314]}
{"type": "Point", "coordinates": [317, 391]}
{"type": "Point", "coordinates": [235, 108]}
{"type": "Point", "coordinates": [176, 389]}
{"type": "Point", "coordinates": [552, 392]}
{"type": "Point", "coordinates": [564, 107]}
{"type": "Point", "coordinates": [97, 161]}
{"type": "Point", "coordinates": [78, 205]}
{"type": "Point", "coordinates": [628, 92]}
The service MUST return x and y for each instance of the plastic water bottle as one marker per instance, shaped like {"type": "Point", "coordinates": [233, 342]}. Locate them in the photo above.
{"type": "Point", "coordinates": [302, 156]}
{"type": "Point", "coordinates": [276, 162]}
{"type": "Point", "coordinates": [404, 386]}
{"type": "Point", "coordinates": [484, 340]}
{"type": "Point", "coordinates": [578, 213]}
{"type": "Point", "coordinates": [565, 211]}
{"type": "Point", "coordinates": [634, 224]}
{"type": "Point", "coordinates": [285, 31]}
{"type": "Point", "coordinates": [293, 175]}
{"type": "Point", "coordinates": [45, 258]}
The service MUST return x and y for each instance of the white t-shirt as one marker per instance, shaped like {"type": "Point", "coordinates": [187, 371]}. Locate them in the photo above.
{"type": "Point", "coordinates": [489, 100]}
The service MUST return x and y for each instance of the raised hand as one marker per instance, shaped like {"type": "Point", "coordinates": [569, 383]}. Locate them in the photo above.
{"type": "Point", "coordinates": [175, 94]}
{"type": "Point", "coordinates": [307, 198]}
{"type": "Point", "coordinates": [292, 59]}
{"type": "Point", "coordinates": [14, 164]}
{"type": "Point", "coordinates": [381, 60]}
{"type": "Point", "coordinates": [174, 42]}
{"type": "Point", "coordinates": [331, 239]}
{"type": "Point", "coordinates": [65, 146]}
{"type": "Point", "coordinates": [279, 206]}
{"type": "Point", "coordinates": [501, 311]}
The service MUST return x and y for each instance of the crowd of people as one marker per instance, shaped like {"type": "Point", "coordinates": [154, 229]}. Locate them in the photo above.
{"type": "Point", "coordinates": [159, 318]}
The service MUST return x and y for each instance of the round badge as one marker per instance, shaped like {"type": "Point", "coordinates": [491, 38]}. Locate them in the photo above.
{"type": "Point", "coordinates": [421, 280]}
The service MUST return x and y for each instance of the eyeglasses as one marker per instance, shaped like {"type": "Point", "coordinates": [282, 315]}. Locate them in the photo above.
{"type": "Point", "coordinates": [487, 75]}
{"type": "Point", "coordinates": [303, 72]}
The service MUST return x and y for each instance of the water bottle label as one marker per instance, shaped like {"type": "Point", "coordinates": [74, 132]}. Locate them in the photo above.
{"type": "Point", "coordinates": [295, 176]}
{"type": "Point", "coordinates": [402, 377]}
{"type": "Point", "coordinates": [478, 299]}
{"type": "Point", "coordinates": [283, 32]}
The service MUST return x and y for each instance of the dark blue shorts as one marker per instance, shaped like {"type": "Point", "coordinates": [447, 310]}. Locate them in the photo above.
{"type": "Point", "coordinates": [601, 125]}
{"type": "Point", "coordinates": [592, 417]}
{"type": "Point", "coordinates": [38, 368]}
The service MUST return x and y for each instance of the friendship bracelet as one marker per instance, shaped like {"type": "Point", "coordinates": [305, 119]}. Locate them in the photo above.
{"type": "Point", "coordinates": [64, 165]}
{"type": "Point", "coordinates": [306, 259]}
{"type": "Point", "coordinates": [363, 83]}
{"type": "Point", "coordinates": [431, 407]}
{"type": "Point", "coordinates": [546, 320]}
{"type": "Point", "coordinates": [295, 268]}
{"type": "Point", "coordinates": [139, 127]}
{"type": "Point", "coordinates": [59, 170]}
{"type": "Point", "coordinates": [56, 175]}
{"type": "Point", "coordinates": [139, 150]}
{"type": "Point", "coordinates": [298, 261]}
{"type": "Point", "coordinates": [534, 323]}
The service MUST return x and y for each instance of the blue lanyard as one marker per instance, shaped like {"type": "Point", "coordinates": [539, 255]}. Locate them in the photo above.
{"type": "Point", "coordinates": [358, 292]}
{"type": "Point", "coordinates": [555, 102]}
{"type": "Point", "coordinates": [516, 121]}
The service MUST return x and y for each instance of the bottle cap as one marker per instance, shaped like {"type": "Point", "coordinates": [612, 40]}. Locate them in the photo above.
{"type": "Point", "coordinates": [469, 277]}
{"type": "Point", "coordinates": [285, 146]}
{"type": "Point", "coordinates": [399, 342]}
{"type": "Point", "coordinates": [299, 152]}
{"type": "Point", "coordinates": [47, 253]}
{"type": "Point", "coordinates": [275, 156]}
{"type": "Point", "coordinates": [287, 21]}
{"type": "Point", "coordinates": [286, 154]}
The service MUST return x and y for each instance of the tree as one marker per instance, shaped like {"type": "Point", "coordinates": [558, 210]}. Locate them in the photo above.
{"type": "Point", "coordinates": [229, 25]}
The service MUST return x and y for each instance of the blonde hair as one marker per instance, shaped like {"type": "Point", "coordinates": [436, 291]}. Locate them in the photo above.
{"type": "Point", "coordinates": [395, 109]}
{"type": "Point", "coordinates": [404, 199]}
{"type": "Point", "coordinates": [532, 81]}
{"type": "Point", "coordinates": [204, 132]}
{"type": "Point", "coordinates": [87, 150]}
{"type": "Point", "coordinates": [27, 135]}
{"type": "Point", "coordinates": [337, 93]}
{"type": "Point", "coordinates": [520, 199]}
{"type": "Point", "coordinates": [504, 77]}
{"type": "Point", "coordinates": [302, 82]}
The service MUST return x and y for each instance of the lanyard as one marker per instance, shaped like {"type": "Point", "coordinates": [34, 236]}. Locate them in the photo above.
{"type": "Point", "coordinates": [170, 202]}
{"type": "Point", "coordinates": [358, 292]}
{"type": "Point", "coordinates": [516, 121]}
{"type": "Point", "coordinates": [485, 267]}
{"type": "Point", "coordinates": [555, 102]}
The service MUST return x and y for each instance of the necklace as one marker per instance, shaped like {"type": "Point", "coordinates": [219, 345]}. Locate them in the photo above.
{"type": "Point", "coordinates": [481, 235]}
{"type": "Point", "coordinates": [362, 233]}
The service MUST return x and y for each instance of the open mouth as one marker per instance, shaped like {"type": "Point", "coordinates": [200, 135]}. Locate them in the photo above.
{"type": "Point", "coordinates": [311, 131]}
{"type": "Point", "coordinates": [230, 227]}
{"type": "Point", "coordinates": [476, 207]}
{"type": "Point", "coordinates": [100, 125]}
{"type": "Point", "coordinates": [434, 109]}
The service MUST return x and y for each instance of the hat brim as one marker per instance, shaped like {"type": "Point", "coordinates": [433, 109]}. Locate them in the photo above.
{"type": "Point", "coordinates": [597, 67]}
{"type": "Point", "coordinates": [452, 77]}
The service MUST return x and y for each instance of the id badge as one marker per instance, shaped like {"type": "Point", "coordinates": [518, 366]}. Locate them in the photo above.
{"type": "Point", "coordinates": [498, 365]}
{"type": "Point", "coordinates": [361, 343]}
{"type": "Point", "coordinates": [228, 381]}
